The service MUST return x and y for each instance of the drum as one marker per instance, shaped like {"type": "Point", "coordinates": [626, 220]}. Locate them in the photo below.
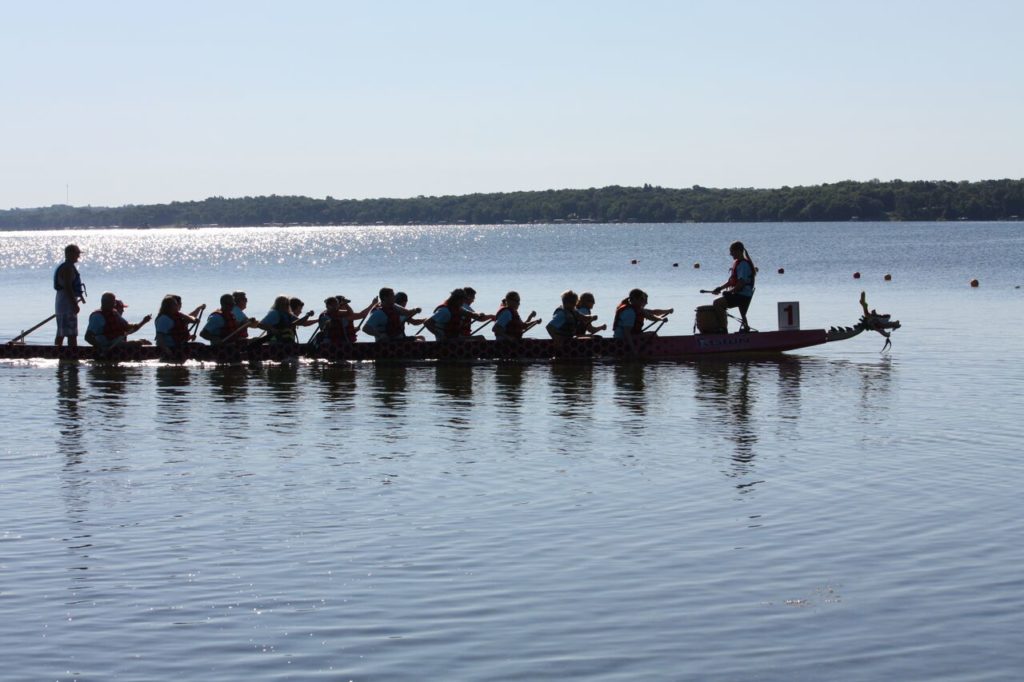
{"type": "Point", "coordinates": [706, 320]}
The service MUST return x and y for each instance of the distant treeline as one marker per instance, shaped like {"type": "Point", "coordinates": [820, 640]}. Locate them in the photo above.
{"type": "Point", "coordinates": [874, 200]}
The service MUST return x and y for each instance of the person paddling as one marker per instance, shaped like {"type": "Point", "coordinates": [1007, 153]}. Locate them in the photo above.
{"type": "Point", "coordinates": [387, 320]}
{"type": "Point", "coordinates": [469, 315]}
{"type": "Point", "coordinates": [738, 291]}
{"type": "Point", "coordinates": [508, 325]}
{"type": "Point", "coordinates": [446, 323]}
{"type": "Point", "coordinates": [70, 291]}
{"type": "Point", "coordinates": [630, 315]}
{"type": "Point", "coordinates": [107, 329]}
{"type": "Point", "coordinates": [585, 317]}
{"type": "Point", "coordinates": [172, 326]}
{"type": "Point", "coordinates": [402, 299]}
{"type": "Point", "coordinates": [337, 323]}
{"type": "Point", "coordinates": [222, 324]}
{"type": "Point", "coordinates": [565, 320]}
{"type": "Point", "coordinates": [279, 322]}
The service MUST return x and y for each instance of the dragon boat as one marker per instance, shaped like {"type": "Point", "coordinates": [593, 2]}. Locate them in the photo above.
{"type": "Point", "coordinates": [647, 348]}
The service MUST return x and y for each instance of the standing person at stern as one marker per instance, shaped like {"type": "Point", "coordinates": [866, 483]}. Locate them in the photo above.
{"type": "Point", "coordinates": [67, 282]}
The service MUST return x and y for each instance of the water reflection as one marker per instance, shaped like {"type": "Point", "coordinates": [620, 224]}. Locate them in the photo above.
{"type": "Point", "coordinates": [724, 388]}
{"type": "Point", "coordinates": [389, 389]}
{"type": "Point", "coordinates": [508, 382]}
{"type": "Point", "coordinates": [68, 413]}
{"type": "Point", "coordinates": [337, 383]}
{"type": "Point", "coordinates": [630, 387]}
{"type": "Point", "coordinates": [172, 397]}
{"type": "Point", "coordinates": [455, 390]}
{"type": "Point", "coordinates": [572, 387]}
{"type": "Point", "coordinates": [230, 382]}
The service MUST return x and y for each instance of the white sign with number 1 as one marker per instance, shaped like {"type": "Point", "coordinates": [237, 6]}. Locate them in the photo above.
{"type": "Point", "coordinates": [789, 315]}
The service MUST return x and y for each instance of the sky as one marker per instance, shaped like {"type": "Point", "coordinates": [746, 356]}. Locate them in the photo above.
{"type": "Point", "coordinates": [111, 103]}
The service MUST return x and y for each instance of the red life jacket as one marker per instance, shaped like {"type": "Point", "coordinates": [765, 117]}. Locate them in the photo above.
{"type": "Point", "coordinates": [230, 323]}
{"type": "Point", "coordinates": [515, 327]}
{"type": "Point", "coordinates": [179, 333]}
{"type": "Point", "coordinates": [455, 324]}
{"type": "Point", "coordinates": [113, 324]}
{"type": "Point", "coordinates": [638, 322]}
{"type": "Point", "coordinates": [732, 272]}
{"type": "Point", "coordinates": [395, 328]}
{"type": "Point", "coordinates": [339, 333]}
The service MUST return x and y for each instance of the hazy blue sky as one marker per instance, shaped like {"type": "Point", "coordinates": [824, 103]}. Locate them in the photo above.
{"type": "Point", "coordinates": [141, 102]}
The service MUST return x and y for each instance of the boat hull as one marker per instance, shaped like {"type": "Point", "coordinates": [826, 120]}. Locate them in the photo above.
{"type": "Point", "coordinates": [593, 349]}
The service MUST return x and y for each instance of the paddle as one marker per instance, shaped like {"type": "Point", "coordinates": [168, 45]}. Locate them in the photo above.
{"type": "Point", "coordinates": [478, 329]}
{"type": "Point", "coordinates": [660, 322]}
{"type": "Point", "coordinates": [194, 327]}
{"type": "Point", "coordinates": [372, 303]}
{"type": "Point", "coordinates": [245, 325]}
{"type": "Point", "coordinates": [21, 337]}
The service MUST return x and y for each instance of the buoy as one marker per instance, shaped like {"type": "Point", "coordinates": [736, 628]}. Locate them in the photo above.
{"type": "Point", "coordinates": [633, 261]}
{"type": "Point", "coordinates": [856, 275]}
{"type": "Point", "coordinates": [675, 265]}
{"type": "Point", "coordinates": [696, 266]}
{"type": "Point", "coordinates": [975, 283]}
{"type": "Point", "coordinates": [888, 278]}
{"type": "Point", "coordinates": [782, 271]}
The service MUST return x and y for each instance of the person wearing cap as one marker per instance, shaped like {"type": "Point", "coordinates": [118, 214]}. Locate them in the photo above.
{"type": "Point", "coordinates": [107, 328]}
{"type": "Point", "coordinates": [337, 327]}
{"type": "Point", "coordinates": [67, 283]}
{"type": "Point", "coordinates": [386, 321]}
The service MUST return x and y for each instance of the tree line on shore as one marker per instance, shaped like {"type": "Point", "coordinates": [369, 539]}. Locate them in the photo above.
{"type": "Point", "coordinates": [873, 200]}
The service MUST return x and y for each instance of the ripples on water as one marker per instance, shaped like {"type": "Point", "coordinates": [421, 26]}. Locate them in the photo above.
{"type": "Point", "coordinates": [835, 514]}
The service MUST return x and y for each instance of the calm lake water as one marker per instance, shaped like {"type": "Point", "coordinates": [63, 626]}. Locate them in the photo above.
{"type": "Point", "coordinates": [836, 514]}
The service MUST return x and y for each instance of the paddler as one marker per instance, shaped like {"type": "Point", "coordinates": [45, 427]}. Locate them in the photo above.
{"type": "Point", "coordinates": [585, 327]}
{"type": "Point", "coordinates": [508, 325]}
{"type": "Point", "coordinates": [738, 291]}
{"type": "Point", "coordinates": [471, 315]}
{"type": "Point", "coordinates": [173, 327]}
{"type": "Point", "coordinates": [565, 320]}
{"type": "Point", "coordinates": [222, 323]}
{"type": "Point", "coordinates": [386, 321]}
{"type": "Point", "coordinates": [241, 302]}
{"type": "Point", "coordinates": [402, 299]}
{"type": "Point", "coordinates": [337, 328]}
{"type": "Point", "coordinates": [446, 322]}
{"type": "Point", "coordinates": [67, 283]}
{"type": "Point", "coordinates": [107, 328]}
{"type": "Point", "coordinates": [630, 315]}
{"type": "Point", "coordinates": [279, 322]}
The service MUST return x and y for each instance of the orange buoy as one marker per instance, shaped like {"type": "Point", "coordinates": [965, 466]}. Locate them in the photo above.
{"type": "Point", "coordinates": [888, 278]}
{"type": "Point", "coordinates": [975, 283]}
{"type": "Point", "coordinates": [856, 275]}
{"type": "Point", "coordinates": [782, 271]}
